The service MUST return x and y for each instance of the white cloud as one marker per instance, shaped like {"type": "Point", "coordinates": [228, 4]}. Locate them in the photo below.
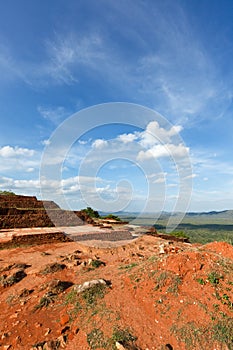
{"type": "Point", "coordinates": [15, 159]}
{"type": "Point", "coordinates": [154, 134]}
{"type": "Point", "coordinates": [30, 170]}
{"type": "Point", "coordinates": [126, 138]}
{"type": "Point", "coordinates": [19, 185]}
{"type": "Point", "coordinates": [192, 176]}
{"type": "Point", "coordinates": [99, 144]}
{"type": "Point", "coordinates": [82, 142]}
{"type": "Point", "coordinates": [167, 150]}
{"type": "Point", "coordinates": [46, 142]}
{"type": "Point", "coordinates": [9, 152]}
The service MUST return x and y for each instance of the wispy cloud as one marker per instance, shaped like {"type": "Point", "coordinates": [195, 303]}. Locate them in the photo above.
{"type": "Point", "coordinates": [67, 55]}
{"type": "Point", "coordinates": [55, 115]}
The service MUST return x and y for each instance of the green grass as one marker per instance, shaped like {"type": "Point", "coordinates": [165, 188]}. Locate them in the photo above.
{"type": "Point", "coordinates": [124, 336]}
{"type": "Point", "coordinates": [72, 298]}
{"type": "Point", "coordinates": [201, 281]}
{"type": "Point", "coordinates": [97, 263]}
{"type": "Point", "coordinates": [161, 280]}
{"type": "Point", "coordinates": [219, 330]}
{"type": "Point", "coordinates": [223, 332]}
{"type": "Point", "coordinates": [214, 278]}
{"type": "Point", "coordinates": [94, 293]}
{"type": "Point", "coordinates": [167, 278]}
{"type": "Point", "coordinates": [179, 234]}
{"type": "Point", "coordinates": [128, 267]}
{"type": "Point", "coordinates": [47, 299]}
{"type": "Point", "coordinates": [96, 339]}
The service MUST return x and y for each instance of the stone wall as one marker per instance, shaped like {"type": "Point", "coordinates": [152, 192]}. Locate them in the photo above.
{"type": "Point", "coordinates": [25, 211]}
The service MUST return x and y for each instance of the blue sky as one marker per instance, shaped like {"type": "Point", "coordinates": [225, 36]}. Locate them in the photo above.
{"type": "Point", "coordinates": [175, 57]}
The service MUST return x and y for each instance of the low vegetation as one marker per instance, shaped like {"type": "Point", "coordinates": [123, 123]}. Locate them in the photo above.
{"type": "Point", "coordinates": [91, 212]}
{"type": "Point", "coordinates": [111, 217]}
{"type": "Point", "coordinates": [51, 268]}
{"type": "Point", "coordinates": [94, 293]}
{"type": "Point", "coordinates": [7, 193]}
{"type": "Point", "coordinates": [96, 339]}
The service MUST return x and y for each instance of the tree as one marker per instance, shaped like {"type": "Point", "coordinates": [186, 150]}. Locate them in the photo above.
{"type": "Point", "coordinates": [91, 212]}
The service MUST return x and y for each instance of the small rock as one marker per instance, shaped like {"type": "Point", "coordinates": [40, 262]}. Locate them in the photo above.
{"type": "Point", "coordinates": [62, 341]}
{"type": "Point", "coordinates": [5, 335]}
{"type": "Point", "coordinates": [89, 262]}
{"type": "Point", "coordinates": [161, 249]}
{"type": "Point", "coordinates": [39, 346]}
{"type": "Point", "coordinates": [48, 330]}
{"type": "Point", "coordinates": [18, 339]}
{"type": "Point", "coordinates": [119, 346]}
{"type": "Point", "coordinates": [87, 285]}
{"type": "Point", "coordinates": [38, 325]}
{"type": "Point", "coordinates": [6, 347]}
{"type": "Point", "coordinates": [46, 346]}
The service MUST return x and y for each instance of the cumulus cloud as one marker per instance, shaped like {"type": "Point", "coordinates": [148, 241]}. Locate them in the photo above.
{"type": "Point", "coordinates": [99, 144]}
{"type": "Point", "coordinates": [9, 152]}
{"type": "Point", "coordinates": [167, 150]}
{"type": "Point", "coordinates": [154, 133]}
{"type": "Point", "coordinates": [126, 138]}
{"type": "Point", "coordinates": [15, 159]}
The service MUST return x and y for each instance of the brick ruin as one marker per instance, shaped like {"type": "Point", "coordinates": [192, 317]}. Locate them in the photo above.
{"type": "Point", "coordinates": [27, 211]}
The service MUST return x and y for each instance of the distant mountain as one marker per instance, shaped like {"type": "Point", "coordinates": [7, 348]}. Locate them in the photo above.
{"type": "Point", "coordinates": [223, 214]}
{"type": "Point", "coordinates": [218, 214]}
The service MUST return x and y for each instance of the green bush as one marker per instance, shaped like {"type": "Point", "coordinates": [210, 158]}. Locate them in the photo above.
{"type": "Point", "coordinates": [7, 193]}
{"type": "Point", "coordinates": [214, 277]}
{"type": "Point", "coordinates": [91, 212]}
{"type": "Point", "coordinates": [111, 216]}
{"type": "Point", "coordinates": [179, 234]}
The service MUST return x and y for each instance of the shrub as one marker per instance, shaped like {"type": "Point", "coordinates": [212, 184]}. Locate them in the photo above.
{"type": "Point", "coordinates": [91, 212]}
{"type": "Point", "coordinates": [7, 193]}
{"type": "Point", "coordinates": [53, 268]}
{"type": "Point", "coordinates": [113, 217]}
{"type": "Point", "coordinates": [214, 277]}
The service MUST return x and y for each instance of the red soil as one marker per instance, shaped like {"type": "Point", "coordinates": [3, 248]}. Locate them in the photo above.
{"type": "Point", "coordinates": [182, 297]}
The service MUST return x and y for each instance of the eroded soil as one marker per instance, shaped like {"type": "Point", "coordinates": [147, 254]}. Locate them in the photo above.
{"type": "Point", "coordinates": [159, 295]}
